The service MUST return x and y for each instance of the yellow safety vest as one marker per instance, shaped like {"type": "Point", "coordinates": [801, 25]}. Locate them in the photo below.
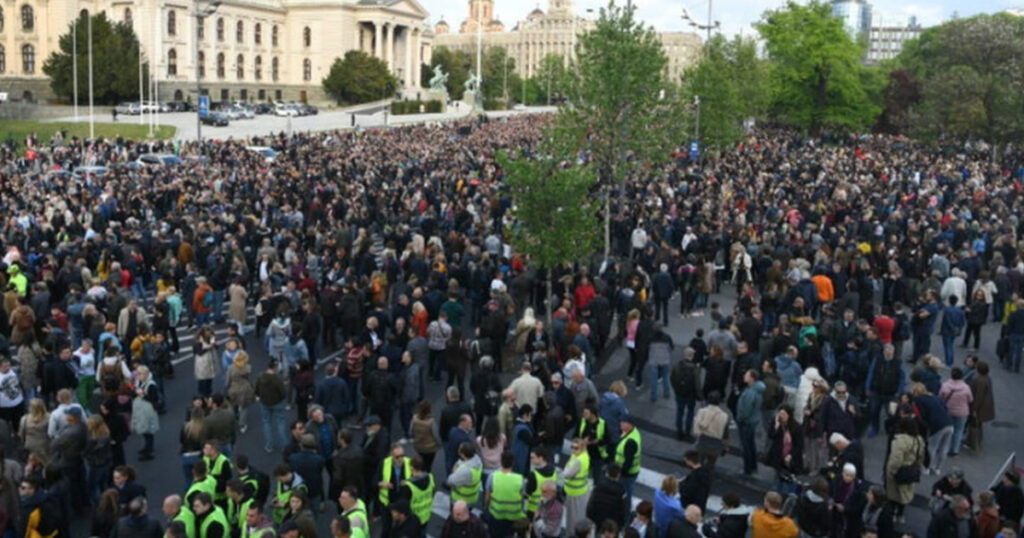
{"type": "Point", "coordinates": [236, 512]}
{"type": "Point", "coordinates": [216, 515]}
{"type": "Point", "coordinates": [620, 453]}
{"type": "Point", "coordinates": [507, 496]}
{"type": "Point", "coordinates": [471, 493]}
{"type": "Point", "coordinates": [360, 512]}
{"type": "Point", "coordinates": [533, 501]}
{"type": "Point", "coordinates": [385, 476]}
{"type": "Point", "coordinates": [207, 485]}
{"type": "Point", "coordinates": [214, 468]}
{"type": "Point", "coordinates": [578, 485]}
{"type": "Point", "coordinates": [284, 496]}
{"type": "Point", "coordinates": [601, 449]}
{"type": "Point", "coordinates": [422, 501]}
{"type": "Point", "coordinates": [188, 519]}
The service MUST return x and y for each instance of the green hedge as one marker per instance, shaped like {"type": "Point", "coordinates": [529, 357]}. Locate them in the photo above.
{"type": "Point", "coordinates": [399, 108]}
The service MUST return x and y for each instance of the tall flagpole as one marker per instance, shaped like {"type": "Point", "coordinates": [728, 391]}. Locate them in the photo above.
{"type": "Point", "coordinates": [74, 63]}
{"type": "Point", "coordinates": [92, 117]}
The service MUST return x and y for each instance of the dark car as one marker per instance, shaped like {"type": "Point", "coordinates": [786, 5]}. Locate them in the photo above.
{"type": "Point", "coordinates": [181, 106]}
{"type": "Point", "coordinates": [308, 110]}
{"type": "Point", "coordinates": [216, 119]}
{"type": "Point", "coordinates": [263, 108]}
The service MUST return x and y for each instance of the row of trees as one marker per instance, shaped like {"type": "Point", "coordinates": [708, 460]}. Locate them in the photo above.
{"type": "Point", "coordinates": [501, 80]}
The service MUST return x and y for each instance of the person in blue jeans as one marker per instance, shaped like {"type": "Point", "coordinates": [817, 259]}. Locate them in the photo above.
{"type": "Point", "coordinates": [272, 394]}
{"type": "Point", "coordinates": [685, 379]}
{"type": "Point", "coordinates": [659, 357]}
{"type": "Point", "coordinates": [1015, 335]}
{"type": "Point", "coordinates": [923, 324]}
{"type": "Point", "coordinates": [953, 323]}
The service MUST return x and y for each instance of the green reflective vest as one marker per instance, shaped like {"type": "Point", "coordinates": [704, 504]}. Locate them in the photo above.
{"type": "Point", "coordinates": [283, 496]}
{"type": "Point", "coordinates": [601, 449]}
{"type": "Point", "coordinates": [620, 453]}
{"type": "Point", "coordinates": [507, 496]}
{"type": "Point", "coordinates": [188, 519]}
{"type": "Point", "coordinates": [578, 485]}
{"type": "Point", "coordinates": [358, 533]}
{"type": "Point", "coordinates": [533, 501]}
{"type": "Point", "coordinates": [207, 485]}
{"type": "Point", "coordinates": [216, 515]}
{"type": "Point", "coordinates": [469, 494]}
{"type": "Point", "coordinates": [215, 468]}
{"type": "Point", "coordinates": [237, 512]}
{"type": "Point", "coordinates": [422, 501]}
{"type": "Point", "coordinates": [385, 476]}
{"type": "Point", "coordinates": [359, 521]}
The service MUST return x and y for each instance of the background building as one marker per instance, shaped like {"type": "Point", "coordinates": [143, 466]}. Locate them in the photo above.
{"type": "Point", "coordinates": [552, 32]}
{"type": "Point", "coordinates": [855, 14]}
{"type": "Point", "coordinates": [249, 50]}
{"type": "Point", "coordinates": [886, 40]}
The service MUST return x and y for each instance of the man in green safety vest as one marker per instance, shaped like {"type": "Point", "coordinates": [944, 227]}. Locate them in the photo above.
{"type": "Point", "coordinates": [201, 482]}
{"type": "Point", "coordinates": [421, 492]}
{"type": "Point", "coordinates": [341, 528]}
{"type": "Point", "coordinates": [592, 430]}
{"type": "Point", "coordinates": [353, 509]}
{"type": "Point", "coordinates": [466, 476]}
{"type": "Point", "coordinates": [541, 471]}
{"type": "Point", "coordinates": [174, 510]}
{"type": "Point", "coordinates": [576, 482]}
{"type": "Point", "coordinates": [504, 498]}
{"type": "Point", "coordinates": [219, 467]}
{"type": "Point", "coordinates": [287, 483]}
{"type": "Point", "coordinates": [256, 523]}
{"type": "Point", "coordinates": [239, 500]}
{"type": "Point", "coordinates": [627, 453]}
{"type": "Point", "coordinates": [210, 519]}
{"type": "Point", "coordinates": [393, 470]}
{"type": "Point", "coordinates": [257, 480]}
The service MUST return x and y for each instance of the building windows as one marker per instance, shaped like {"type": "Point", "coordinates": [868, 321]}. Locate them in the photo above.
{"type": "Point", "coordinates": [261, 94]}
{"type": "Point", "coordinates": [257, 33]}
{"type": "Point", "coordinates": [240, 67]}
{"type": "Point", "coordinates": [28, 18]}
{"type": "Point", "coordinates": [307, 70]}
{"type": "Point", "coordinates": [1, 19]}
{"type": "Point", "coordinates": [224, 95]}
{"type": "Point", "coordinates": [277, 95]}
{"type": "Point", "coordinates": [220, 29]}
{"type": "Point", "coordinates": [273, 36]}
{"type": "Point", "coordinates": [220, 65]}
{"type": "Point", "coordinates": [172, 63]}
{"type": "Point", "coordinates": [28, 59]}
{"type": "Point", "coordinates": [274, 64]}
{"type": "Point", "coordinates": [172, 23]}
{"type": "Point", "coordinates": [240, 32]}
{"type": "Point", "coordinates": [307, 37]}
{"type": "Point", "coordinates": [258, 68]}
{"type": "Point", "coordinates": [200, 28]}
{"type": "Point", "coordinates": [3, 59]}
{"type": "Point", "coordinates": [201, 64]}
{"type": "Point", "coordinates": [127, 17]}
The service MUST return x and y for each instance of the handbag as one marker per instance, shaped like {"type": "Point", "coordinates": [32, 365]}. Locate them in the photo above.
{"type": "Point", "coordinates": [910, 474]}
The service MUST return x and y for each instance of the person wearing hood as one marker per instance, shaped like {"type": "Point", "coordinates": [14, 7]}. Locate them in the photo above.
{"type": "Point", "coordinates": [788, 368]}
{"type": "Point", "coordinates": [137, 523]}
{"type": "Point", "coordinates": [748, 417]}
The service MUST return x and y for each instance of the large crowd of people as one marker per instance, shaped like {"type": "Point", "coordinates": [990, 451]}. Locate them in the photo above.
{"type": "Point", "coordinates": [818, 270]}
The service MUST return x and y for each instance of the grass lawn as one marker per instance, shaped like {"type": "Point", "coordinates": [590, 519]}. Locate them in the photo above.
{"type": "Point", "coordinates": [44, 130]}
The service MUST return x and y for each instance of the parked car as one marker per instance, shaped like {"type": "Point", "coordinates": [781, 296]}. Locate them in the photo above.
{"type": "Point", "coordinates": [159, 159]}
{"type": "Point", "coordinates": [263, 108]}
{"type": "Point", "coordinates": [309, 110]}
{"type": "Point", "coordinates": [285, 110]}
{"type": "Point", "coordinates": [128, 108]}
{"type": "Point", "coordinates": [181, 106]}
{"type": "Point", "coordinates": [215, 119]}
{"type": "Point", "coordinates": [269, 155]}
{"type": "Point", "coordinates": [245, 113]}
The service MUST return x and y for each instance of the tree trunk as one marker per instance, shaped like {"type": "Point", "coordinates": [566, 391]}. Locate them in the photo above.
{"type": "Point", "coordinates": [607, 222]}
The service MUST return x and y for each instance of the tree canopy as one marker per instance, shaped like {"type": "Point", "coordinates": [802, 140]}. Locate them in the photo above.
{"type": "Point", "coordinates": [729, 79]}
{"type": "Point", "coordinates": [456, 64]}
{"type": "Point", "coordinates": [359, 78]}
{"type": "Point", "coordinates": [816, 77]}
{"type": "Point", "coordinates": [115, 51]}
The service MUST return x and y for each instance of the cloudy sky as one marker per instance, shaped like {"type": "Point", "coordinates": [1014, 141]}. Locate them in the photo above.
{"type": "Point", "coordinates": [735, 15]}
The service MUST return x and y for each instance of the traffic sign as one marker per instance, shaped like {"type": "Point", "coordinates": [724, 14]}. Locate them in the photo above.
{"type": "Point", "coordinates": [204, 106]}
{"type": "Point", "coordinates": [694, 150]}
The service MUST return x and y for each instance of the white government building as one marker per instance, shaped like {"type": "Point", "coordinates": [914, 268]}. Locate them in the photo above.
{"type": "Point", "coordinates": [543, 33]}
{"type": "Point", "coordinates": [249, 50]}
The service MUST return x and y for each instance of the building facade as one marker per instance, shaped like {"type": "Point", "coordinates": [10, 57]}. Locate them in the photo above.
{"type": "Point", "coordinates": [247, 50]}
{"type": "Point", "coordinates": [855, 14]}
{"type": "Point", "coordinates": [885, 41]}
{"type": "Point", "coordinates": [553, 32]}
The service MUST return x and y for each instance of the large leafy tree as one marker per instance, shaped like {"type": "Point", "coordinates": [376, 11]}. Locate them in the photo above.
{"type": "Point", "coordinates": [499, 74]}
{"type": "Point", "coordinates": [552, 77]}
{"type": "Point", "coordinates": [617, 112]}
{"type": "Point", "coordinates": [556, 219]}
{"type": "Point", "coordinates": [456, 64]}
{"type": "Point", "coordinates": [729, 80]}
{"type": "Point", "coordinates": [359, 78]}
{"type": "Point", "coordinates": [971, 79]}
{"type": "Point", "coordinates": [115, 50]}
{"type": "Point", "coordinates": [817, 79]}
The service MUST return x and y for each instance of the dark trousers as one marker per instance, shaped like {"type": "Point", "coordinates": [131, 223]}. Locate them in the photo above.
{"type": "Point", "coordinates": [973, 329]}
{"type": "Point", "coordinates": [434, 366]}
{"type": "Point", "coordinates": [747, 443]}
{"type": "Point", "coordinates": [661, 310]}
{"type": "Point", "coordinates": [205, 387]}
{"type": "Point", "coordinates": [684, 415]}
{"type": "Point", "coordinates": [147, 448]}
{"type": "Point", "coordinates": [876, 402]}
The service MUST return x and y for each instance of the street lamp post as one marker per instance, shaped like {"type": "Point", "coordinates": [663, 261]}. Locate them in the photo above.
{"type": "Point", "coordinates": [92, 117]}
{"type": "Point", "coordinates": [708, 27]}
{"type": "Point", "coordinates": [200, 15]}
{"type": "Point", "coordinates": [74, 62]}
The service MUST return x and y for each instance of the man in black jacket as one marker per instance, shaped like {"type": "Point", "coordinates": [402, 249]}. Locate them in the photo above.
{"type": "Point", "coordinates": [954, 521]}
{"type": "Point", "coordinates": [608, 499]}
{"type": "Point", "coordinates": [696, 487]}
{"type": "Point", "coordinates": [137, 524]}
{"type": "Point", "coordinates": [379, 391]}
{"type": "Point", "coordinates": [348, 463]}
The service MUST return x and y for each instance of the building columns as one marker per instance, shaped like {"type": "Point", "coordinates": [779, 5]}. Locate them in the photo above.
{"type": "Point", "coordinates": [389, 46]}
{"type": "Point", "coordinates": [409, 82]}
{"type": "Point", "coordinates": [377, 40]}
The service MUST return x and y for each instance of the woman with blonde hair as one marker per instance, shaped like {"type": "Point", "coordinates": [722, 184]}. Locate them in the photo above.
{"type": "Point", "coordinates": [145, 420]}
{"type": "Point", "coordinates": [667, 506]}
{"type": "Point", "coordinates": [191, 438]}
{"type": "Point", "coordinates": [239, 389]}
{"type": "Point", "coordinates": [99, 457]}
{"type": "Point", "coordinates": [205, 360]}
{"type": "Point", "coordinates": [32, 429]}
{"type": "Point", "coordinates": [523, 328]}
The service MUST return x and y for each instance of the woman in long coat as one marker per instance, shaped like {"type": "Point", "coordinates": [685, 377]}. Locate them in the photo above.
{"type": "Point", "coordinates": [239, 388]}
{"type": "Point", "coordinates": [983, 407]}
{"type": "Point", "coordinates": [205, 366]}
{"type": "Point", "coordinates": [908, 448]}
{"type": "Point", "coordinates": [237, 296]}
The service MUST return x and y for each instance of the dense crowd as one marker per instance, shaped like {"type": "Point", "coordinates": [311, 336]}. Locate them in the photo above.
{"type": "Point", "coordinates": [383, 256]}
